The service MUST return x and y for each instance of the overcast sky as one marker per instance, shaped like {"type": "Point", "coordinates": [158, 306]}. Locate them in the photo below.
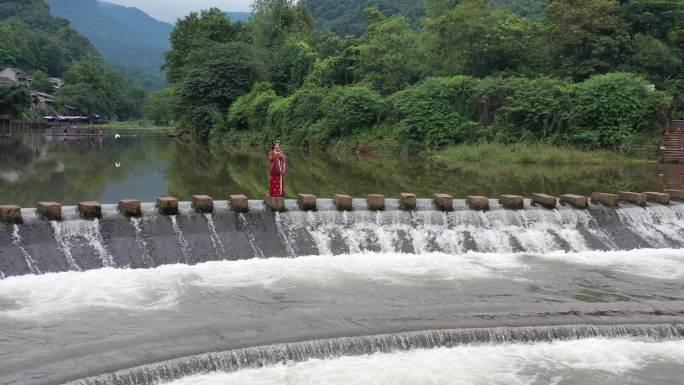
{"type": "Point", "coordinates": [170, 10]}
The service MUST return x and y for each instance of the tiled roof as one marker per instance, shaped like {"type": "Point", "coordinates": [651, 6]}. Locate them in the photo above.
{"type": "Point", "coordinates": [7, 81]}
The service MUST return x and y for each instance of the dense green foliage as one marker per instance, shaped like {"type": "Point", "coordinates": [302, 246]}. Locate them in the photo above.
{"type": "Point", "coordinates": [128, 38]}
{"type": "Point", "coordinates": [14, 100]}
{"type": "Point", "coordinates": [586, 73]}
{"type": "Point", "coordinates": [46, 46]}
{"type": "Point", "coordinates": [159, 106]}
{"type": "Point", "coordinates": [95, 89]}
{"type": "Point", "coordinates": [33, 40]}
{"type": "Point", "coordinates": [345, 17]}
{"type": "Point", "coordinates": [606, 111]}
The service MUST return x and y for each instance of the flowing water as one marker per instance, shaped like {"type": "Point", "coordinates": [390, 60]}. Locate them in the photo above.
{"type": "Point", "coordinates": [148, 298]}
{"type": "Point", "coordinates": [533, 296]}
{"type": "Point", "coordinates": [595, 361]}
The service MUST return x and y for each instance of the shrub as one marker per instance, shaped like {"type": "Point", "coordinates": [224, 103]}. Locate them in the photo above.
{"type": "Point", "coordinates": [205, 119]}
{"type": "Point", "coordinates": [277, 117]}
{"type": "Point", "coordinates": [349, 109]}
{"type": "Point", "coordinates": [436, 111]}
{"type": "Point", "coordinates": [612, 110]}
{"type": "Point", "coordinates": [537, 107]}
{"type": "Point", "coordinates": [249, 112]}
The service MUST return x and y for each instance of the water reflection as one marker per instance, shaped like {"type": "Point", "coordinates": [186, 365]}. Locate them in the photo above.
{"type": "Point", "coordinates": [105, 169]}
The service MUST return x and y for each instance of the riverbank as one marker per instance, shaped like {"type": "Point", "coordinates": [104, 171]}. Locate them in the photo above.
{"type": "Point", "coordinates": [137, 125]}
{"type": "Point", "coordinates": [493, 153]}
{"type": "Point", "coordinates": [383, 140]}
{"type": "Point", "coordinates": [532, 153]}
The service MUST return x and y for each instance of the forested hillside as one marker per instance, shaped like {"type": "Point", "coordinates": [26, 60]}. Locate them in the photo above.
{"type": "Point", "coordinates": [530, 9]}
{"type": "Point", "coordinates": [33, 40]}
{"type": "Point", "coordinates": [346, 17]}
{"type": "Point", "coordinates": [36, 42]}
{"type": "Point", "coordinates": [587, 73]}
{"type": "Point", "coordinates": [127, 37]}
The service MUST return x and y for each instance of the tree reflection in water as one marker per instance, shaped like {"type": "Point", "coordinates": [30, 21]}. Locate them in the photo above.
{"type": "Point", "coordinates": [37, 168]}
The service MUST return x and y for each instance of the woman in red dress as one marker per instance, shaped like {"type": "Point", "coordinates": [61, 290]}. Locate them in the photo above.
{"type": "Point", "coordinates": [278, 170]}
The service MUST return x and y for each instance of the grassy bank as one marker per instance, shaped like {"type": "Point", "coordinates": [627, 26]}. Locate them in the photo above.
{"type": "Point", "coordinates": [383, 142]}
{"type": "Point", "coordinates": [518, 153]}
{"type": "Point", "coordinates": [138, 125]}
{"type": "Point", "coordinates": [531, 153]}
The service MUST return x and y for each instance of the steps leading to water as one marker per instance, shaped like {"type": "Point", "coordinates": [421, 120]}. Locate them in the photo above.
{"type": "Point", "coordinates": [673, 143]}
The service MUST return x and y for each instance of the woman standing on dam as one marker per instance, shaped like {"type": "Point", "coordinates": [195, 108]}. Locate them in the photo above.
{"type": "Point", "coordinates": [278, 163]}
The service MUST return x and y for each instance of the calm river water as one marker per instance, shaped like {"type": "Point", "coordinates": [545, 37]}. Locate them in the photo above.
{"type": "Point", "coordinates": [37, 168]}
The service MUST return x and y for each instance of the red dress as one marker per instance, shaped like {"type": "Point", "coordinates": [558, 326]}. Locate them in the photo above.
{"type": "Point", "coordinates": [278, 170]}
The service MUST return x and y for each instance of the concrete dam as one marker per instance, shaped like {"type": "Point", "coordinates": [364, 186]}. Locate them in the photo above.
{"type": "Point", "coordinates": [190, 234]}
{"type": "Point", "coordinates": [180, 293]}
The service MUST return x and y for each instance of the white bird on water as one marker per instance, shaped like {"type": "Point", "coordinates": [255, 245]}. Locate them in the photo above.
{"type": "Point", "coordinates": [117, 136]}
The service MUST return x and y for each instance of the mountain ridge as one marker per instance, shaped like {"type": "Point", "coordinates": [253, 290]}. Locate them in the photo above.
{"type": "Point", "coordinates": [128, 38]}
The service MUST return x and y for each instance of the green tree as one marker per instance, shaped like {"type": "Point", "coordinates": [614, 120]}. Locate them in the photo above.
{"type": "Point", "coordinates": [475, 39]}
{"type": "Point", "coordinates": [435, 112]}
{"type": "Point", "coordinates": [225, 72]}
{"type": "Point", "coordinates": [388, 56]}
{"type": "Point", "coordinates": [94, 88]}
{"type": "Point", "coordinates": [41, 82]}
{"type": "Point", "coordinates": [250, 112]}
{"type": "Point", "coordinates": [14, 99]}
{"type": "Point", "coordinates": [523, 108]}
{"type": "Point", "coordinates": [614, 110]}
{"type": "Point", "coordinates": [584, 38]}
{"type": "Point", "coordinates": [87, 98]}
{"type": "Point", "coordinates": [8, 56]}
{"type": "Point", "coordinates": [346, 17]}
{"type": "Point", "coordinates": [293, 62]}
{"type": "Point", "coordinates": [350, 109]}
{"type": "Point", "coordinates": [655, 59]}
{"type": "Point", "coordinates": [161, 106]}
{"type": "Point", "coordinates": [274, 21]}
{"type": "Point", "coordinates": [436, 8]}
{"type": "Point", "coordinates": [653, 17]}
{"type": "Point", "coordinates": [194, 32]}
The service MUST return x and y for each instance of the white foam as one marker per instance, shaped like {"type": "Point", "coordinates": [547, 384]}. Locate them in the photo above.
{"type": "Point", "coordinates": [62, 238]}
{"type": "Point", "coordinates": [658, 225]}
{"type": "Point", "coordinates": [16, 241]}
{"type": "Point", "coordinates": [653, 263]}
{"type": "Point", "coordinates": [162, 287]}
{"type": "Point", "coordinates": [142, 243]}
{"type": "Point", "coordinates": [65, 293]}
{"type": "Point", "coordinates": [507, 364]}
{"type": "Point", "coordinates": [180, 239]}
{"type": "Point", "coordinates": [285, 238]}
{"type": "Point", "coordinates": [215, 238]}
{"type": "Point", "coordinates": [257, 251]}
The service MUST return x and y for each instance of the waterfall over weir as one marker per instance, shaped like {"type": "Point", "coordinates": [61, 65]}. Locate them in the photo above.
{"type": "Point", "coordinates": [257, 357]}
{"type": "Point", "coordinates": [38, 246]}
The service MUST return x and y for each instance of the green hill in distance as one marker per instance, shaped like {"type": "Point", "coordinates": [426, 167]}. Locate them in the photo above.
{"type": "Point", "coordinates": [127, 37]}
{"type": "Point", "coordinates": [34, 40]}
{"type": "Point", "coordinates": [238, 16]}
